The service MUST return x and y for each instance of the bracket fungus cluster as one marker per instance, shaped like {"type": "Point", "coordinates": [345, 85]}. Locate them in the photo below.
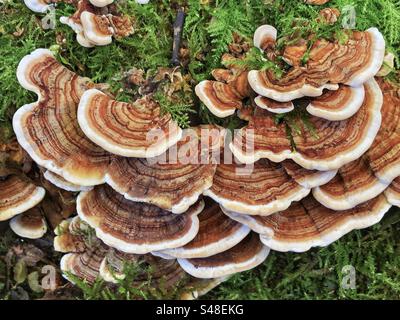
{"type": "Point", "coordinates": [95, 22]}
{"type": "Point", "coordinates": [141, 195]}
{"type": "Point", "coordinates": [88, 258]}
{"type": "Point", "coordinates": [157, 195]}
{"type": "Point", "coordinates": [331, 165]}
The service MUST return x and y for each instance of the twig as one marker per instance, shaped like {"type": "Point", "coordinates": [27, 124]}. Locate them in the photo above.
{"type": "Point", "coordinates": [178, 28]}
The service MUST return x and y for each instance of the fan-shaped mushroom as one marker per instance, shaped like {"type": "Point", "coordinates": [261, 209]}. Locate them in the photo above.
{"type": "Point", "coordinates": [217, 233]}
{"type": "Point", "coordinates": [96, 29]}
{"type": "Point", "coordinates": [307, 223]}
{"type": "Point", "coordinates": [265, 37]}
{"type": "Point", "coordinates": [93, 259]}
{"type": "Point", "coordinates": [384, 154]}
{"type": "Point", "coordinates": [338, 105]}
{"type": "Point", "coordinates": [136, 129]}
{"type": "Point", "coordinates": [94, 26]}
{"type": "Point", "coordinates": [92, 22]}
{"type": "Point", "coordinates": [329, 64]}
{"type": "Point", "coordinates": [263, 188]}
{"type": "Point", "coordinates": [307, 178]}
{"type": "Point", "coordinates": [223, 96]}
{"type": "Point", "coordinates": [163, 181]}
{"type": "Point", "coordinates": [84, 265]}
{"type": "Point", "coordinates": [329, 15]}
{"type": "Point", "coordinates": [48, 129]}
{"type": "Point", "coordinates": [61, 183]}
{"type": "Point", "coordinates": [274, 106]}
{"type": "Point", "coordinates": [293, 54]}
{"type": "Point", "coordinates": [135, 227]}
{"type": "Point", "coordinates": [330, 146]}
{"type": "Point", "coordinates": [354, 183]}
{"type": "Point", "coordinates": [18, 195]}
{"type": "Point", "coordinates": [249, 253]}
{"type": "Point", "coordinates": [30, 224]}
{"type": "Point", "coordinates": [69, 236]}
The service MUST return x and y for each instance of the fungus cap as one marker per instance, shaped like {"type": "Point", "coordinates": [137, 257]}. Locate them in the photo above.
{"type": "Point", "coordinates": [392, 193]}
{"type": "Point", "coordinates": [84, 265]}
{"type": "Point", "coordinates": [128, 129]}
{"type": "Point", "coordinates": [48, 129]}
{"type": "Point", "coordinates": [262, 188]}
{"type": "Point", "coordinates": [136, 227]}
{"type": "Point", "coordinates": [329, 64]}
{"type": "Point", "coordinates": [217, 233]}
{"type": "Point", "coordinates": [274, 106]}
{"type": "Point", "coordinates": [384, 154]}
{"type": "Point", "coordinates": [30, 224]}
{"type": "Point", "coordinates": [248, 254]}
{"type": "Point", "coordinates": [354, 184]}
{"type": "Point", "coordinates": [61, 183]}
{"type": "Point", "coordinates": [223, 96]}
{"type": "Point", "coordinates": [160, 272]}
{"type": "Point", "coordinates": [69, 236]}
{"type": "Point", "coordinates": [308, 224]}
{"type": "Point", "coordinates": [163, 181]}
{"type": "Point", "coordinates": [331, 145]}
{"type": "Point", "coordinates": [368, 176]}
{"type": "Point", "coordinates": [40, 6]}
{"type": "Point", "coordinates": [265, 37]}
{"type": "Point", "coordinates": [96, 29]}
{"type": "Point", "coordinates": [101, 3]}
{"type": "Point", "coordinates": [307, 178]}
{"type": "Point", "coordinates": [18, 195]}
{"type": "Point", "coordinates": [338, 105]}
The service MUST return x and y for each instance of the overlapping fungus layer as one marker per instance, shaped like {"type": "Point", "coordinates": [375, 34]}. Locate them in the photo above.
{"type": "Point", "coordinates": [329, 146]}
{"type": "Point", "coordinates": [352, 63]}
{"type": "Point", "coordinates": [163, 181]}
{"type": "Point", "coordinates": [136, 227]}
{"type": "Point", "coordinates": [136, 129]}
{"type": "Point", "coordinates": [368, 176]}
{"type": "Point", "coordinates": [307, 223]}
{"type": "Point", "coordinates": [48, 129]}
{"type": "Point", "coordinates": [249, 253]}
{"type": "Point", "coordinates": [17, 195]}
{"type": "Point", "coordinates": [217, 233]}
{"type": "Point", "coordinates": [224, 95]}
{"type": "Point", "coordinates": [261, 188]}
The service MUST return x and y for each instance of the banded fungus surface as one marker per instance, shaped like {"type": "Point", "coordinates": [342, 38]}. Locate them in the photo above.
{"type": "Point", "coordinates": [336, 170]}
